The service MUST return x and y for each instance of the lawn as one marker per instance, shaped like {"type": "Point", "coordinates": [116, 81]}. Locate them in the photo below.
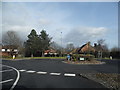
{"type": "Point", "coordinates": [34, 58]}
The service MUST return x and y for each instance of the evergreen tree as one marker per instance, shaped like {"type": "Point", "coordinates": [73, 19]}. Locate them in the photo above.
{"type": "Point", "coordinates": [37, 44]}
{"type": "Point", "coordinates": [45, 40]}
{"type": "Point", "coordinates": [33, 43]}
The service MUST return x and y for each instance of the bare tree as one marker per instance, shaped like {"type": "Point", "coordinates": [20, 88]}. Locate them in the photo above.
{"type": "Point", "coordinates": [11, 38]}
{"type": "Point", "coordinates": [102, 48]}
{"type": "Point", "coordinates": [115, 52]}
{"type": "Point", "coordinates": [100, 41]}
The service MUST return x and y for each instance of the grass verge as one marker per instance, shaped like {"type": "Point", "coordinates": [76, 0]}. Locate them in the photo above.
{"type": "Point", "coordinates": [109, 80]}
{"type": "Point", "coordinates": [18, 58]}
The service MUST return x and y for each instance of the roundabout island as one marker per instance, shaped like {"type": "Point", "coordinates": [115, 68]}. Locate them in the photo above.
{"type": "Point", "coordinates": [83, 59]}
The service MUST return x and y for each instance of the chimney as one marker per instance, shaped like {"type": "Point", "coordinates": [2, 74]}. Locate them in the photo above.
{"type": "Point", "coordinates": [95, 44]}
{"type": "Point", "coordinates": [88, 43]}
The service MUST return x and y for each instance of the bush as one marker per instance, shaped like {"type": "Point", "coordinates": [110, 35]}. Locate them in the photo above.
{"type": "Point", "coordinates": [87, 57]}
{"type": "Point", "coordinates": [4, 56]}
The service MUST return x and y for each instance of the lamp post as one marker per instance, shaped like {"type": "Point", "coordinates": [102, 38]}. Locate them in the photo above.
{"type": "Point", "coordinates": [61, 44]}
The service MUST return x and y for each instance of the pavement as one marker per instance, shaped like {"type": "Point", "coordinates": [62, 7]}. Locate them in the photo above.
{"type": "Point", "coordinates": [50, 73]}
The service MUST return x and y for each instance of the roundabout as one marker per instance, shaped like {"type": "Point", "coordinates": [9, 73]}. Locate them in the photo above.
{"type": "Point", "coordinates": [84, 62]}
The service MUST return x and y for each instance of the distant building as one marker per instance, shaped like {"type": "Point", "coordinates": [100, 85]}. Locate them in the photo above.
{"type": "Point", "coordinates": [86, 48]}
{"type": "Point", "coordinates": [9, 50]}
{"type": "Point", "coordinates": [50, 52]}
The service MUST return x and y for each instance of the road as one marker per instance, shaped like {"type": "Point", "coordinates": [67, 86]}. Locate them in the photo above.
{"type": "Point", "coordinates": [51, 74]}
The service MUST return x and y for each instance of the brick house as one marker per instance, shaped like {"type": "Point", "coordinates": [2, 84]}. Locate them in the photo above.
{"type": "Point", "coordinates": [9, 50]}
{"type": "Point", "coordinates": [86, 48]}
{"type": "Point", "coordinates": [50, 52]}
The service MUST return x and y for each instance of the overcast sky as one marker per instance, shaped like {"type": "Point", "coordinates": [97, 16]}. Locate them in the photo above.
{"type": "Point", "coordinates": [79, 22]}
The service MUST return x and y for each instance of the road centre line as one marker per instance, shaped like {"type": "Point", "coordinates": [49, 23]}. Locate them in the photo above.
{"type": "Point", "coordinates": [30, 71]}
{"type": "Point", "coordinates": [55, 73]}
{"type": "Point", "coordinates": [66, 74]}
{"type": "Point", "coordinates": [22, 70]}
{"type": "Point", "coordinates": [41, 72]}
{"type": "Point", "coordinates": [7, 70]}
{"type": "Point", "coordinates": [6, 81]}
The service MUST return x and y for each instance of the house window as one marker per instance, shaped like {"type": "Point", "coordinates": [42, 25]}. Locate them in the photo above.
{"type": "Point", "coordinates": [3, 50]}
{"type": "Point", "coordinates": [8, 50]}
{"type": "Point", "coordinates": [15, 50]}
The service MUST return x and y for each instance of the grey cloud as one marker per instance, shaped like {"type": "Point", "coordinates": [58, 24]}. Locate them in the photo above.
{"type": "Point", "coordinates": [82, 35]}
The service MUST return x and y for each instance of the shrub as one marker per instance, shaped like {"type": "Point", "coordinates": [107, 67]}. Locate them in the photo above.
{"type": "Point", "coordinates": [88, 57]}
{"type": "Point", "coordinates": [4, 56]}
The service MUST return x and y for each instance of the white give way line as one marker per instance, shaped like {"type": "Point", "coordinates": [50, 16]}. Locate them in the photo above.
{"type": "Point", "coordinates": [55, 73]}
{"type": "Point", "coordinates": [66, 74]}
{"type": "Point", "coordinates": [52, 73]}
{"type": "Point", "coordinates": [30, 71]}
{"type": "Point", "coordinates": [41, 72]}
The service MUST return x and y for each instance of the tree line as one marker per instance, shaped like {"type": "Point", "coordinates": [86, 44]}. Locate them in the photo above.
{"type": "Point", "coordinates": [36, 44]}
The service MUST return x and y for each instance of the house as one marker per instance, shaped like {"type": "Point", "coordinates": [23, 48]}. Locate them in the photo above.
{"type": "Point", "coordinates": [50, 52]}
{"type": "Point", "coordinates": [86, 48]}
{"type": "Point", "coordinates": [74, 51]}
{"type": "Point", "coordinates": [9, 50]}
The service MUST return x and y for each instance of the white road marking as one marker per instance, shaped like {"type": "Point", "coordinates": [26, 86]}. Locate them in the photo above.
{"type": "Point", "coordinates": [18, 76]}
{"type": "Point", "coordinates": [7, 70]}
{"type": "Point", "coordinates": [55, 73]}
{"type": "Point", "coordinates": [30, 71]}
{"type": "Point", "coordinates": [66, 74]}
{"type": "Point", "coordinates": [41, 72]}
{"type": "Point", "coordinates": [6, 81]}
{"type": "Point", "coordinates": [22, 70]}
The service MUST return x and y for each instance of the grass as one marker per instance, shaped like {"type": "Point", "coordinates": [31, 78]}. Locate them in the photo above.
{"type": "Point", "coordinates": [35, 58]}
{"type": "Point", "coordinates": [48, 57]}
{"type": "Point", "coordinates": [108, 58]}
{"type": "Point", "coordinates": [109, 80]}
{"type": "Point", "coordinates": [84, 62]}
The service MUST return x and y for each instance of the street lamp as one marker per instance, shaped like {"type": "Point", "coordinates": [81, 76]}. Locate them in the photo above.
{"type": "Point", "coordinates": [61, 43]}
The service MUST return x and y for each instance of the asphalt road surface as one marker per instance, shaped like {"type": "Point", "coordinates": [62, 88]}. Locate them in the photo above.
{"type": "Point", "coordinates": [50, 73]}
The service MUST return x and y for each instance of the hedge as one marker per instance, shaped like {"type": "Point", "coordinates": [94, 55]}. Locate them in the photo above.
{"type": "Point", "coordinates": [88, 57]}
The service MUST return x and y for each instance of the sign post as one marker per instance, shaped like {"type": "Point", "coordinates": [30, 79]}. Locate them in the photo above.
{"type": "Point", "coordinates": [13, 56]}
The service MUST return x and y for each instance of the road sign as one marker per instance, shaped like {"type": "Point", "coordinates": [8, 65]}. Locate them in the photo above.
{"type": "Point", "coordinates": [82, 59]}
